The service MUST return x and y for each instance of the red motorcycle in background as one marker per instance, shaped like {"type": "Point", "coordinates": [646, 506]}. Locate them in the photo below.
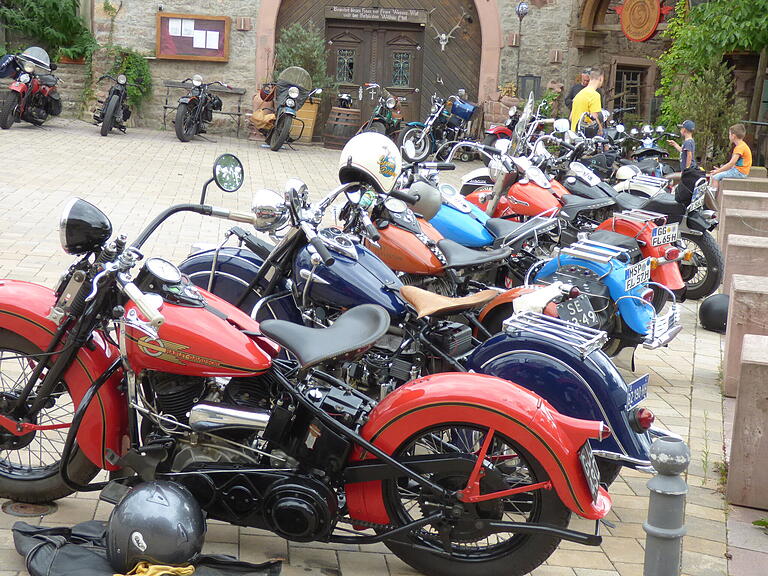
{"type": "Point", "coordinates": [456, 473]}
{"type": "Point", "coordinates": [33, 95]}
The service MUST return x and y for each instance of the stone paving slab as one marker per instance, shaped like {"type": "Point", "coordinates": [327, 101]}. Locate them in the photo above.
{"type": "Point", "coordinates": [134, 176]}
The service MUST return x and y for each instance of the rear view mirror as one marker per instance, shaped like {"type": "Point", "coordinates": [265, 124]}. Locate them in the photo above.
{"type": "Point", "coordinates": [228, 172]}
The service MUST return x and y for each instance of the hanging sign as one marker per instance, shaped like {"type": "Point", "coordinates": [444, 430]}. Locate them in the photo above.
{"type": "Point", "coordinates": [381, 14]}
{"type": "Point", "coordinates": [639, 18]}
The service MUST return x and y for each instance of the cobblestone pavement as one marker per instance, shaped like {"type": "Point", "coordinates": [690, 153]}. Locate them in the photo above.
{"type": "Point", "coordinates": [133, 176]}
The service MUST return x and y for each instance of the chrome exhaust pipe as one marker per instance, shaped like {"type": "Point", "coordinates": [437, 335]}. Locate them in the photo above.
{"type": "Point", "coordinates": [215, 417]}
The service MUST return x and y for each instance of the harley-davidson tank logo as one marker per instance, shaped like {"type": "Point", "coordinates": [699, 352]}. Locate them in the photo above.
{"type": "Point", "coordinates": [387, 164]}
{"type": "Point", "coordinates": [172, 352]}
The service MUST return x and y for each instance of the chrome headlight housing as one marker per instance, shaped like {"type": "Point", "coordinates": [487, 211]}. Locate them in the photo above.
{"type": "Point", "coordinates": [293, 92]}
{"type": "Point", "coordinates": [391, 102]}
{"type": "Point", "coordinates": [24, 78]}
{"type": "Point", "coordinates": [290, 102]}
{"type": "Point", "coordinates": [433, 109]}
{"type": "Point", "coordinates": [83, 227]}
{"type": "Point", "coordinates": [270, 209]}
{"type": "Point", "coordinates": [197, 80]}
{"type": "Point", "coordinates": [121, 79]}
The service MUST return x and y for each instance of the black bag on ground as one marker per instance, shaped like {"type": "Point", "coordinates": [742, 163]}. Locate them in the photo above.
{"type": "Point", "coordinates": [81, 550]}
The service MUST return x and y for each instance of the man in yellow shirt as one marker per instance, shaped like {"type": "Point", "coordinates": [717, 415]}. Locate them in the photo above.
{"type": "Point", "coordinates": [588, 101]}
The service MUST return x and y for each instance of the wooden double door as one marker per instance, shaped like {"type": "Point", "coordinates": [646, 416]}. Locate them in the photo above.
{"type": "Point", "coordinates": [386, 53]}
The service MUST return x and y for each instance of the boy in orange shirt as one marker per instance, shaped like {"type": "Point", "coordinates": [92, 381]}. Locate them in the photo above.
{"type": "Point", "coordinates": [741, 159]}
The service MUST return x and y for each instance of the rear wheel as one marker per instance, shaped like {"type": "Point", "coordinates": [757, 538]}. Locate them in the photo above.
{"type": "Point", "coordinates": [186, 127]}
{"type": "Point", "coordinates": [704, 272]}
{"type": "Point", "coordinates": [7, 115]}
{"type": "Point", "coordinates": [109, 114]}
{"type": "Point", "coordinates": [464, 545]}
{"type": "Point", "coordinates": [30, 464]}
{"type": "Point", "coordinates": [660, 298]}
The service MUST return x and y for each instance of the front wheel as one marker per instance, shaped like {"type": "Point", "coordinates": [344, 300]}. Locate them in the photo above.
{"type": "Point", "coordinates": [30, 465]}
{"type": "Point", "coordinates": [281, 132]}
{"type": "Point", "coordinates": [465, 544]}
{"type": "Point", "coordinates": [703, 273]}
{"type": "Point", "coordinates": [415, 144]}
{"type": "Point", "coordinates": [377, 127]}
{"type": "Point", "coordinates": [109, 114]}
{"type": "Point", "coordinates": [7, 116]}
{"type": "Point", "coordinates": [186, 127]}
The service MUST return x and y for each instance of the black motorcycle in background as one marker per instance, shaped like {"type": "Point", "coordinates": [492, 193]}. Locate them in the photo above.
{"type": "Point", "coordinates": [291, 91]}
{"type": "Point", "coordinates": [386, 116]}
{"type": "Point", "coordinates": [195, 109]}
{"type": "Point", "coordinates": [114, 111]}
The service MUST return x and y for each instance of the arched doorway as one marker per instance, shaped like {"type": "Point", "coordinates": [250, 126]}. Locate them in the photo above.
{"type": "Point", "coordinates": [477, 73]}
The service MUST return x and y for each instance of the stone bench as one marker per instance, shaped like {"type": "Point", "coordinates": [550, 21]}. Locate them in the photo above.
{"type": "Point", "coordinates": [743, 255]}
{"type": "Point", "coordinates": [750, 184]}
{"type": "Point", "coordinates": [747, 314]}
{"type": "Point", "coordinates": [758, 172]}
{"type": "Point", "coordinates": [744, 200]}
{"type": "Point", "coordinates": [747, 470]}
{"type": "Point", "coordinates": [743, 222]}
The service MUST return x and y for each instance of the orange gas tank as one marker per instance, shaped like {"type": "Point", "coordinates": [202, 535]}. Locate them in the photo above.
{"type": "Point", "coordinates": [402, 250]}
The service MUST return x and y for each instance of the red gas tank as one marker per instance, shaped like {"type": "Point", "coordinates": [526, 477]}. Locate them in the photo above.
{"type": "Point", "coordinates": [524, 198]}
{"type": "Point", "coordinates": [201, 341]}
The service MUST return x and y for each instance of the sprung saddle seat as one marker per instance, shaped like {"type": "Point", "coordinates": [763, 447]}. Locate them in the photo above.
{"type": "Point", "coordinates": [430, 304]}
{"type": "Point", "coordinates": [353, 333]}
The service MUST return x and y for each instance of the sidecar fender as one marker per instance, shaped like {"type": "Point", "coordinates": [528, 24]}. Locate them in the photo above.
{"type": "Point", "coordinates": [553, 439]}
{"type": "Point", "coordinates": [23, 310]}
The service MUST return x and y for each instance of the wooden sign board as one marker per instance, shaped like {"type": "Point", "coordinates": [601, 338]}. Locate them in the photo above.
{"type": "Point", "coordinates": [192, 37]}
{"type": "Point", "coordinates": [381, 14]}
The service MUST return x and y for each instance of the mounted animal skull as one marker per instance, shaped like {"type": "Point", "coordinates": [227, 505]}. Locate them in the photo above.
{"type": "Point", "coordinates": [443, 38]}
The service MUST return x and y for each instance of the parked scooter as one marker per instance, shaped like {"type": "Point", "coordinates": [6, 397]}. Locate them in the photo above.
{"type": "Point", "coordinates": [386, 116]}
{"type": "Point", "coordinates": [33, 95]}
{"type": "Point", "coordinates": [153, 378]}
{"type": "Point", "coordinates": [195, 110]}
{"type": "Point", "coordinates": [289, 94]}
{"type": "Point", "coordinates": [114, 111]}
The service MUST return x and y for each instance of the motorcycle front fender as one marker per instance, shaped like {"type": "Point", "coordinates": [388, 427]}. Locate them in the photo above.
{"type": "Point", "coordinates": [501, 131]}
{"type": "Point", "coordinates": [552, 438]}
{"type": "Point", "coordinates": [19, 87]}
{"type": "Point", "coordinates": [24, 308]}
{"type": "Point", "coordinates": [187, 99]}
{"type": "Point", "coordinates": [287, 111]}
{"type": "Point", "coordinates": [416, 124]}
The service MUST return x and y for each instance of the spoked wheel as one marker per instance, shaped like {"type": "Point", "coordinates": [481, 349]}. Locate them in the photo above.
{"type": "Point", "coordinates": [30, 464]}
{"type": "Point", "coordinates": [421, 144]}
{"type": "Point", "coordinates": [704, 272]}
{"type": "Point", "coordinates": [8, 110]}
{"type": "Point", "coordinates": [465, 545]}
{"type": "Point", "coordinates": [109, 114]}
{"type": "Point", "coordinates": [186, 126]}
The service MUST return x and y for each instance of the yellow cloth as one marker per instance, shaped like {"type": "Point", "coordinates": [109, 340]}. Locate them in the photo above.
{"type": "Point", "coordinates": [587, 100]}
{"type": "Point", "coordinates": [147, 569]}
{"type": "Point", "coordinates": [744, 163]}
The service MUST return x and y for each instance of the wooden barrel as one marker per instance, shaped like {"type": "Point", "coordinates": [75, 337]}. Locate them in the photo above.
{"type": "Point", "coordinates": [342, 124]}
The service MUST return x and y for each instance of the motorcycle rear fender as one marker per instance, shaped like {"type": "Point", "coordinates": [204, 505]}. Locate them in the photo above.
{"type": "Point", "coordinates": [553, 439]}
{"type": "Point", "coordinates": [187, 99]}
{"type": "Point", "coordinates": [506, 298]}
{"type": "Point", "coordinates": [54, 94]}
{"type": "Point", "coordinates": [697, 222]}
{"type": "Point", "coordinates": [500, 130]}
{"type": "Point", "coordinates": [24, 308]}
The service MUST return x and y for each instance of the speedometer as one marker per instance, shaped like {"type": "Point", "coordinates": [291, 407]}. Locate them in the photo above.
{"type": "Point", "coordinates": [163, 270]}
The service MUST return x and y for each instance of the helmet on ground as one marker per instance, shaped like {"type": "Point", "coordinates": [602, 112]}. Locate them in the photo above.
{"type": "Point", "coordinates": [429, 202]}
{"type": "Point", "coordinates": [371, 158]}
{"type": "Point", "coordinates": [158, 522]}
{"type": "Point", "coordinates": [713, 312]}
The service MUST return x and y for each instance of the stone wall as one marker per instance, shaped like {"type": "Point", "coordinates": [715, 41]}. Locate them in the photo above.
{"type": "Point", "coordinates": [135, 28]}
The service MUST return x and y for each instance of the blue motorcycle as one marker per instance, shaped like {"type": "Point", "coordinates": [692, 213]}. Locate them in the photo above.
{"type": "Point", "coordinates": [314, 273]}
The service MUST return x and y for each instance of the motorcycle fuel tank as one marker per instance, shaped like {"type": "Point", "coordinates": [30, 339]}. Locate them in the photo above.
{"type": "Point", "coordinates": [464, 227]}
{"type": "Point", "coordinates": [402, 250]}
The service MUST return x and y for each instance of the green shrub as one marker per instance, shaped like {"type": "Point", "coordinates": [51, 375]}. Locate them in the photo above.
{"type": "Point", "coordinates": [304, 45]}
{"type": "Point", "coordinates": [136, 70]}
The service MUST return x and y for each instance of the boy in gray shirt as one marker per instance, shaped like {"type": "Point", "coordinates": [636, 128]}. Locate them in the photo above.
{"type": "Point", "coordinates": [688, 148]}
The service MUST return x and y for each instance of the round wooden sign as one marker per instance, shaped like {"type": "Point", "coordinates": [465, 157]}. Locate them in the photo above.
{"type": "Point", "coordinates": [640, 19]}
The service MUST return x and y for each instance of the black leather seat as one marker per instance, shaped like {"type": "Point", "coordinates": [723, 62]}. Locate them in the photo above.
{"type": "Point", "coordinates": [458, 256]}
{"type": "Point", "coordinates": [660, 203]}
{"type": "Point", "coordinates": [618, 240]}
{"type": "Point", "coordinates": [47, 79]}
{"type": "Point", "coordinates": [573, 205]}
{"type": "Point", "coordinates": [506, 230]}
{"type": "Point", "coordinates": [351, 335]}
{"type": "Point", "coordinates": [503, 228]}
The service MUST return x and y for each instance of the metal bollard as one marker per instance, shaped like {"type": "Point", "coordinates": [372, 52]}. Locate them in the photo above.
{"type": "Point", "coordinates": [665, 527]}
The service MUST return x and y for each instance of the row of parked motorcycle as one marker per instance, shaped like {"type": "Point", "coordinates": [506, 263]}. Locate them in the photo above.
{"type": "Point", "coordinates": [435, 367]}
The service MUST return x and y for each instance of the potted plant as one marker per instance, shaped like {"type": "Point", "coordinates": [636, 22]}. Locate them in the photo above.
{"type": "Point", "coordinates": [304, 45]}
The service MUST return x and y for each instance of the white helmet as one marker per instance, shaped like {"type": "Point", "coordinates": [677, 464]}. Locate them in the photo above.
{"type": "Point", "coordinates": [627, 172]}
{"type": "Point", "coordinates": [373, 158]}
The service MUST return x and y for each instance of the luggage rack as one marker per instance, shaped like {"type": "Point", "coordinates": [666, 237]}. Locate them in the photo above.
{"type": "Point", "coordinates": [587, 249]}
{"type": "Point", "coordinates": [584, 339]}
{"type": "Point", "coordinates": [639, 215]}
{"type": "Point", "coordinates": [650, 180]}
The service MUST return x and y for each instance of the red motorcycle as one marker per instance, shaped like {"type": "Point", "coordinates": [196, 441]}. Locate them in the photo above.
{"type": "Point", "coordinates": [33, 96]}
{"type": "Point", "coordinates": [455, 473]}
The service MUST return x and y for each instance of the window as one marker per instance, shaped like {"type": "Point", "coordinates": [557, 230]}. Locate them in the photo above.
{"type": "Point", "coordinates": [628, 88]}
{"type": "Point", "coordinates": [401, 68]}
{"type": "Point", "coordinates": [529, 84]}
{"type": "Point", "coordinates": [345, 65]}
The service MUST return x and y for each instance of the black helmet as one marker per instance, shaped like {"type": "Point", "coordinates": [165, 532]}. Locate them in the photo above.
{"type": "Point", "coordinates": [713, 312]}
{"type": "Point", "coordinates": [158, 522]}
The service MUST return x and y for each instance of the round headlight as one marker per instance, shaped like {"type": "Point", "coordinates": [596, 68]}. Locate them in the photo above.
{"type": "Point", "coordinates": [197, 80]}
{"type": "Point", "coordinates": [433, 109]}
{"type": "Point", "coordinates": [29, 67]}
{"type": "Point", "coordinates": [121, 79]}
{"type": "Point", "coordinates": [660, 129]}
{"type": "Point", "coordinates": [83, 227]}
{"type": "Point", "coordinates": [391, 102]}
{"type": "Point", "coordinates": [647, 129]}
{"type": "Point", "coordinates": [293, 92]}
{"type": "Point", "coordinates": [24, 78]}
{"type": "Point", "coordinates": [290, 102]}
{"type": "Point", "coordinates": [633, 131]}
{"type": "Point", "coordinates": [620, 128]}
{"type": "Point", "coordinates": [270, 210]}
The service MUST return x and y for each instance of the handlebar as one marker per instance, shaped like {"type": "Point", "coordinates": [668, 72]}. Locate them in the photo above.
{"type": "Point", "coordinates": [318, 244]}
{"type": "Point", "coordinates": [406, 197]}
{"type": "Point", "coordinates": [150, 312]}
{"type": "Point", "coordinates": [370, 230]}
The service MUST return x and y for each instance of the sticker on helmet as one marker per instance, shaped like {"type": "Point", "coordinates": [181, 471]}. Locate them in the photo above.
{"type": "Point", "coordinates": [387, 164]}
{"type": "Point", "coordinates": [138, 540]}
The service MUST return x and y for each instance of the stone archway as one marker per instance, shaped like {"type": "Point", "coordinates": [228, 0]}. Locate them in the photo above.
{"type": "Point", "coordinates": [593, 12]}
{"type": "Point", "coordinates": [490, 26]}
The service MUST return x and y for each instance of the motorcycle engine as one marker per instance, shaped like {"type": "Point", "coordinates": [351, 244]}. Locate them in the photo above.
{"type": "Point", "coordinates": [452, 339]}
{"type": "Point", "coordinates": [383, 368]}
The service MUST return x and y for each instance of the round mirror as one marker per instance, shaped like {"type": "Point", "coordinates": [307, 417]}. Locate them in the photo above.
{"type": "Point", "coordinates": [562, 125]}
{"type": "Point", "coordinates": [228, 172]}
{"type": "Point", "coordinates": [620, 128]}
{"type": "Point", "coordinates": [512, 111]}
{"type": "Point", "coordinates": [634, 132]}
{"type": "Point", "coordinates": [660, 129]}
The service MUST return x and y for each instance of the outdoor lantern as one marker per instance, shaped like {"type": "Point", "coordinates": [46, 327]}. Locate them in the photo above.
{"type": "Point", "coordinates": [522, 10]}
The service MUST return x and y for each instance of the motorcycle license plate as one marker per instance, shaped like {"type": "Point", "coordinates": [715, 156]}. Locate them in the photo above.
{"type": "Point", "coordinates": [637, 391]}
{"type": "Point", "coordinates": [665, 235]}
{"type": "Point", "coordinates": [698, 203]}
{"type": "Point", "coordinates": [589, 466]}
{"type": "Point", "coordinates": [637, 274]}
{"type": "Point", "coordinates": [578, 311]}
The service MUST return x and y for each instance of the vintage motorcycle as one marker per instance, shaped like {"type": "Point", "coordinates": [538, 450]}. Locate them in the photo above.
{"type": "Point", "coordinates": [195, 110]}
{"type": "Point", "coordinates": [33, 96]}
{"type": "Point", "coordinates": [456, 473]}
{"type": "Point", "coordinates": [292, 89]}
{"type": "Point", "coordinates": [114, 111]}
{"type": "Point", "coordinates": [386, 116]}
{"type": "Point", "coordinates": [448, 122]}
